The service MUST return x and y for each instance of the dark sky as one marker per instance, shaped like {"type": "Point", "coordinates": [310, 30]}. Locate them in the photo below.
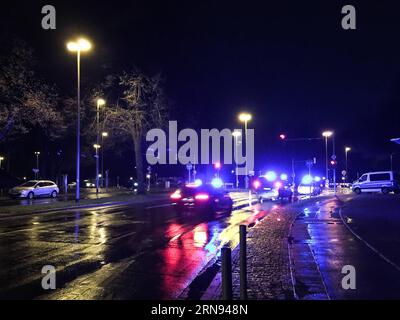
{"type": "Point", "coordinates": [287, 62]}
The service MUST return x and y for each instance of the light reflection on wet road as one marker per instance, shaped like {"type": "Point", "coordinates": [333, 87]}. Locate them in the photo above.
{"type": "Point", "coordinates": [121, 252]}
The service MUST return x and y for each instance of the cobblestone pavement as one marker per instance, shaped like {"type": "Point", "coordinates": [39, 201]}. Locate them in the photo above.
{"type": "Point", "coordinates": [269, 275]}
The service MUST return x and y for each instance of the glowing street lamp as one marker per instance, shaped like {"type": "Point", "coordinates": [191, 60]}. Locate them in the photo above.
{"type": "Point", "coordinates": [347, 149]}
{"type": "Point", "coordinates": [103, 135]}
{"type": "Point", "coordinates": [326, 135]}
{"type": "Point", "coordinates": [100, 102]}
{"type": "Point", "coordinates": [1, 160]}
{"type": "Point", "coordinates": [236, 134]}
{"type": "Point", "coordinates": [245, 118]}
{"type": "Point", "coordinates": [37, 154]}
{"type": "Point", "coordinates": [78, 46]}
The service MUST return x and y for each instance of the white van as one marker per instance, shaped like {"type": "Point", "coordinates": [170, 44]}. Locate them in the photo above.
{"type": "Point", "coordinates": [381, 181]}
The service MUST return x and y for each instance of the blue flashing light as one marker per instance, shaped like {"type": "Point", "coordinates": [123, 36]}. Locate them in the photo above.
{"type": "Point", "coordinates": [217, 183]}
{"type": "Point", "coordinates": [270, 176]}
{"type": "Point", "coordinates": [284, 177]}
{"type": "Point", "coordinates": [307, 179]}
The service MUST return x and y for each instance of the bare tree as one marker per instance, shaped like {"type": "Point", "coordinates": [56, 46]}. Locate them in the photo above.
{"type": "Point", "coordinates": [25, 101]}
{"type": "Point", "coordinates": [140, 105]}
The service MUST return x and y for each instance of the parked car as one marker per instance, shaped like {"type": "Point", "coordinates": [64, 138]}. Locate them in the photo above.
{"type": "Point", "coordinates": [203, 199]}
{"type": "Point", "coordinates": [381, 181]}
{"type": "Point", "coordinates": [34, 189]}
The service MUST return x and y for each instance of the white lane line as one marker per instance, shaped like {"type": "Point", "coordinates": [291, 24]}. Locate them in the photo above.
{"type": "Point", "coordinates": [386, 259]}
{"type": "Point", "coordinates": [159, 206]}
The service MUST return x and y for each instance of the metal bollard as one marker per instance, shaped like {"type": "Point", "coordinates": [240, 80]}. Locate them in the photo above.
{"type": "Point", "coordinates": [226, 273]}
{"type": "Point", "coordinates": [243, 263]}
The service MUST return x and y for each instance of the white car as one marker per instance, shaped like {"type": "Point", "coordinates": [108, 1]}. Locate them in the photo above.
{"type": "Point", "coordinates": [34, 189]}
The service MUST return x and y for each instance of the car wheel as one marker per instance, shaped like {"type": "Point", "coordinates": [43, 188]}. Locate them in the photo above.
{"type": "Point", "coordinates": [357, 190]}
{"type": "Point", "coordinates": [385, 190]}
{"type": "Point", "coordinates": [30, 195]}
{"type": "Point", "coordinates": [54, 194]}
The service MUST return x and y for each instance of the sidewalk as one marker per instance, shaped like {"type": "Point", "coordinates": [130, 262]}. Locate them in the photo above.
{"type": "Point", "coordinates": [268, 264]}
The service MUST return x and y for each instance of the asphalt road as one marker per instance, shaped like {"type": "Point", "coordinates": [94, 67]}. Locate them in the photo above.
{"type": "Point", "coordinates": [117, 252]}
{"type": "Point", "coordinates": [363, 232]}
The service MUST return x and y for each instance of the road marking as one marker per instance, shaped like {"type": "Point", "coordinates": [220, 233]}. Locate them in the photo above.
{"type": "Point", "coordinates": [386, 259]}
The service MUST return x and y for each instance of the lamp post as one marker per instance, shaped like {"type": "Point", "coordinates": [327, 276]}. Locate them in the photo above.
{"type": "Point", "coordinates": [37, 154]}
{"type": "Point", "coordinates": [78, 46]}
{"type": "Point", "coordinates": [326, 135]}
{"type": "Point", "coordinates": [347, 149]}
{"type": "Point", "coordinates": [103, 135]}
{"type": "Point", "coordinates": [100, 102]}
{"type": "Point", "coordinates": [97, 147]}
{"type": "Point", "coordinates": [236, 134]}
{"type": "Point", "coordinates": [245, 118]}
{"type": "Point", "coordinates": [1, 160]}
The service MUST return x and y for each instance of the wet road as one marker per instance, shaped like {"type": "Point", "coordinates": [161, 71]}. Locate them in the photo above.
{"type": "Point", "coordinates": [324, 245]}
{"type": "Point", "coordinates": [118, 252]}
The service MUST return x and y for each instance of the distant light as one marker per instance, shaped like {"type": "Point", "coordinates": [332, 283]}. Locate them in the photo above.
{"type": "Point", "coordinates": [96, 146]}
{"type": "Point", "coordinates": [282, 137]}
{"type": "Point", "coordinates": [323, 178]}
{"type": "Point", "coordinates": [79, 45]}
{"type": "Point", "coordinates": [327, 134]}
{"type": "Point", "coordinates": [270, 176]}
{"type": "Point", "coordinates": [256, 184]}
{"type": "Point", "coordinates": [176, 195]}
{"type": "Point", "coordinates": [131, 178]}
{"type": "Point", "coordinates": [284, 176]}
{"type": "Point", "coordinates": [317, 179]}
{"type": "Point", "coordinates": [101, 102]}
{"type": "Point", "coordinates": [148, 176]}
{"type": "Point", "coordinates": [198, 182]}
{"type": "Point", "coordinates": [104, 134]}
{"type": "Point", "coordinates": [135, 184]}
{"type": "Point", "coordinates": [347, 149]}
{"type": "Point", "coordinates": [217, 183]}
{"type": "Point", "coordinates": [217, 165]}
{"type": "Point", "coordinates": [99, 175]}
{"type": "Point", "coordinates": [244, 117]}
{"type": "Point", "coordinates": [278, 184]}
{"type": "Point", "coordinates": [236, 133]}
{"type": "Point", "coordinates": [307, 179]}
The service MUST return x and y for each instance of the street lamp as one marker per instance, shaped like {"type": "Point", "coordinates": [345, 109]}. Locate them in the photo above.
{"type": "Point", "coordinates": [1, 159]}
{"type": "Point", "coordinates": [236, 134]}
{"type": "Point", "coordinates": [100, 102]}
{"type": "Point", "coordinates": [326, 135]}
{"type": "Point", "coordinates": [37, 154]}
{"type": "Point", "coordinates": [347, 149]}
{"type": "Point", "coordinates": [245, 117]}
{"type": "Point", "coordinates": [97, 147]}
{"type": "Point", "coordinates": [103, 135]}
{"type": "Point", "coordinates": [78, 46]}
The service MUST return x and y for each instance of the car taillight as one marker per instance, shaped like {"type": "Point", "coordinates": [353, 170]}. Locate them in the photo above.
{"type": "Point", "coordinates": [202, 196]}
{"type": "Point", "coordinates": [176, 196]}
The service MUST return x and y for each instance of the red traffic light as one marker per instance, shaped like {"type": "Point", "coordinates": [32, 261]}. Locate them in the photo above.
{"type": "Point", "coordinates": [217, 165]}
{"type": "Point", "coordinates": [333, 162]}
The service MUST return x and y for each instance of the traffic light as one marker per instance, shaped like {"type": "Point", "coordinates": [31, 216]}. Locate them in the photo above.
{"type": "Point", "coordinates": [333, 163]}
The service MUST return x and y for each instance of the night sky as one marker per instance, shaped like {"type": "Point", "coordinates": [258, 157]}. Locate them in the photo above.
{"type": "Point", "coordinates": [287, 62]}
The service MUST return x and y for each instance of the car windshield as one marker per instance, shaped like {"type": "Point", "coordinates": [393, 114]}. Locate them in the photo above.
{"type": "Point", "coordinates": [28, 184]}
